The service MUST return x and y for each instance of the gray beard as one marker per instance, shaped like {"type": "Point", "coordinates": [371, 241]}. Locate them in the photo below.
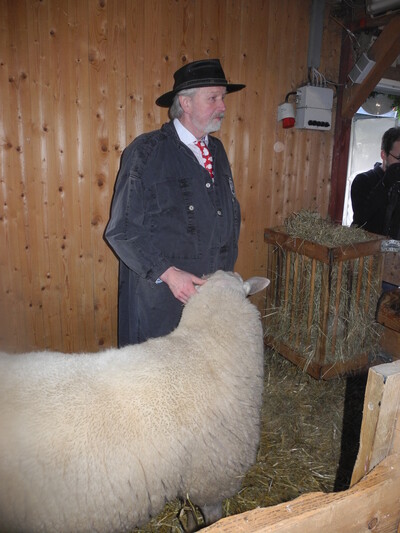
{"type": "Point", "coordinates": [210, 128]}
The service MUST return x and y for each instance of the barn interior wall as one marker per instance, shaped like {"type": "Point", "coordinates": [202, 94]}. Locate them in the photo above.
{"type": "Point", "coordinates": [78, 82]}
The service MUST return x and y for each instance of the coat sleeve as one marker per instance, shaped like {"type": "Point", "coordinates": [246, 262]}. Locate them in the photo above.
{"type": "Point", "coordinates": [127, 231]}
{"type": "Point", "coordinates": [367, 198]}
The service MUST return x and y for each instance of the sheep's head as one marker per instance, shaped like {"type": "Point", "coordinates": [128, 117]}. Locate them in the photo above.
{"type": "Point", "coordinates": [233, 281]}
{"type": "Point", "coordinates": [255, 284]}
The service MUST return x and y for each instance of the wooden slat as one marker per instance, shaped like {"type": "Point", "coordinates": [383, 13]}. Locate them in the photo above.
{"type": "Point", "coordinates": [320, 350]}
{"type": "Point", "coordinates": [381, 405]}
{"type": "Point", "coordinates": [107, 80]}
{"type": "Point", "coordinates": [337, 305]}
{"type": "Point", "coordinates": [80, 186]}
{"type": "Point", "coordinates": [134, 119]}
{"type": "Point", "coordinates": [39, 266]}
{"type": "Point", "coordinates": [371, 505]}
{"type": "Point", "coordinates": [5, 274]}
{"type": "Point", "coordinates": [15, 182]}
{"type": "Point", "coordinates": [293, 295]}
{"type": "Point", "coordinates": [311, 301]}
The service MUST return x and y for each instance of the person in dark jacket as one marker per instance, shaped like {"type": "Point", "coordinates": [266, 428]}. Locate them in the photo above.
{"type": "Point", "coordinates": [173, 220]}
{"type": "Point", "coordinates": [375, 194]}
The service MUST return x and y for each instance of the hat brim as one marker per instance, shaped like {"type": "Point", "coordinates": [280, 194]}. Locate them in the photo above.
{"type": "Point", "coordinates": [166, 99]}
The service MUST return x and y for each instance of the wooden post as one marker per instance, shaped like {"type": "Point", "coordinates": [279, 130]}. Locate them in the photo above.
{"type": "Point", "coordinates": [380, 427]}
{"type": "Point", "coordinates": [342, 138]}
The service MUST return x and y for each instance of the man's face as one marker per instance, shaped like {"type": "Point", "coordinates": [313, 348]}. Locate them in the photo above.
{"type": "Point", "coordinates": [204, 111]}
{"type": "Point", "coordinates": [391, 157]}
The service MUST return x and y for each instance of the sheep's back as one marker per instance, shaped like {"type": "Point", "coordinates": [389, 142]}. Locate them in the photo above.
{"type": "Point", "coordinates": [125, 430]}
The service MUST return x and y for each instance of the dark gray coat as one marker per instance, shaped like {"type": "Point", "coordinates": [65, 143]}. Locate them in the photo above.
{"type": "Point", "coordinates": [375, 197]}
{"type": "Point", "coordinates": [166, 212]}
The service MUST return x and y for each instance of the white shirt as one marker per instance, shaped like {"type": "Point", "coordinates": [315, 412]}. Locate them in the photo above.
{"type": "Point", "coordinates": [189, 139]}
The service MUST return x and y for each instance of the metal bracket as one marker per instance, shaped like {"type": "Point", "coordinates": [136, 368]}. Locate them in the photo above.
{"type": "Point", "coordinates": [390, 246]}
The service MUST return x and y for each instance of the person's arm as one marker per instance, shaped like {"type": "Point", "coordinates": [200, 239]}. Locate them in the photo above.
{"type": "Point", "coordinates": [368, 195]}
{"type": "Point", "coordinates": [377, 199]}
{"type": "Point", "coordinates": [127, 232]}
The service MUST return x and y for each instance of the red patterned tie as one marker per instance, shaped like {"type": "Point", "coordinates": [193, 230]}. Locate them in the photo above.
{"type": "Point", "coordinates": [206, 157]}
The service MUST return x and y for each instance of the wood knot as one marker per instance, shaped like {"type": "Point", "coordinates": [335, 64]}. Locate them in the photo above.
{"type": "Point", "coordinates": [373, 523]}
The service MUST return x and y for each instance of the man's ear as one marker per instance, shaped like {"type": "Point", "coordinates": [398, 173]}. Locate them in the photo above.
{"type": "Point", "coordinates": [185, 102]}
{"type": "Point", "coordinates": [383, 157]}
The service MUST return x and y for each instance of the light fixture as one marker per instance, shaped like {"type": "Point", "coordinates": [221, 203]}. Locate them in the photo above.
{"type": "Point", "coordinates": [378, 104]}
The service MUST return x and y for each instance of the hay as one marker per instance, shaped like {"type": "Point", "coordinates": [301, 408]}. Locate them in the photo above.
{"type": "Point", "coordinates": [300, 449]}
{"type": "Point", "coordinates": [310, 226]}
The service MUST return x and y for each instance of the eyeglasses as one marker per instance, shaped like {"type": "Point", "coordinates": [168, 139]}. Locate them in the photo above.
{"type": "Point", "coordinates": [395, 156]}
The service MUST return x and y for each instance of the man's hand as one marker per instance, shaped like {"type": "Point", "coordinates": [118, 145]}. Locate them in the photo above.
{"type": "Point", "coordinates": [181, 283]}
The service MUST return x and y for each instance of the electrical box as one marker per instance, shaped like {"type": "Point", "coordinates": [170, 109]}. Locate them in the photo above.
{"type": "Point", "coordinates": [314, 108]}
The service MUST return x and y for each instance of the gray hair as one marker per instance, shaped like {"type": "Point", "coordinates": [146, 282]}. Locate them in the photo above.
{"type": "Point", "coordinates": [176, 111]}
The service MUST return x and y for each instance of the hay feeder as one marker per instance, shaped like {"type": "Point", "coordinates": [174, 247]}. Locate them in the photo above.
{"type": "Point", "coordinates": [320, 307]}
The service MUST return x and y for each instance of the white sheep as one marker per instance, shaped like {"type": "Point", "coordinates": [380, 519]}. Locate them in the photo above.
{"type": "Point", "coordinates": [100, 442]}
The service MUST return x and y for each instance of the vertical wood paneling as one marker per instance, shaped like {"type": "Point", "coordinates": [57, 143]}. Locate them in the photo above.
{"type": "Point", "coordinates": [64, 238]}
{"type": "Point", "coordinates": [16, 208]}
{"type": "Point", "coordinates": [116, 124]}
{"type": "Point", "coordinates": [5, 265]}
{"type": "Point", "coordinates": [7, 320]}
{"type": "Point", "coordinates": [48, 102]}
{"type": "Point", "coordinates": [80, 177]}
{"type": "Point", "coordinates": [107, 82]}
{"type": "Point", "coordinates": [78, 81]}
{"type": "Point", "coordinates": [135, 60]}
{"type": "Point", "coordinates": [35, 327]}
{"type": "Point", "coordinates": [40, 124]}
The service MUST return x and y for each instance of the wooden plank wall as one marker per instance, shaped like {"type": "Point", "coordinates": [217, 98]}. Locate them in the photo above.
{"type": "Point", "coordinates": [78, 81]}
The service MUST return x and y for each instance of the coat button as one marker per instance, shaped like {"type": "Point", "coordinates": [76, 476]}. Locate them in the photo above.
{"type": "Point", "coordinates": [219, 212]}
{"type": "Point", "coordinates": [208, 185]}
{"type": "Point", "coordinates": [191, 207]}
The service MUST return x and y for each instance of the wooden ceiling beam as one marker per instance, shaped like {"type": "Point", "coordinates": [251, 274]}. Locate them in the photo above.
{"type": "Point", "coordinates": [368, 23]}
{"type": "Point", "coordinates": [384, 52]}
{"type": "Point", "coordinates": [392, 73]}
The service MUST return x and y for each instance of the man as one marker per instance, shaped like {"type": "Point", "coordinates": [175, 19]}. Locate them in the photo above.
{"type": "Point", "coordinates": [172, 220]}
{"type": "Point", "coordinates": [375, 194]}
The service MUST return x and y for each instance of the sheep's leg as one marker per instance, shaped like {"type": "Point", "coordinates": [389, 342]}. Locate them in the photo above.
{"type": "Point", "coordinates": [189, 521]}
{"type": "Point", "coordinates": [212, 513]}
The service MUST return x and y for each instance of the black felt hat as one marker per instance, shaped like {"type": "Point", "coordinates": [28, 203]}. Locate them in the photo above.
{"type": "Point", "coordinates": [203, 73]}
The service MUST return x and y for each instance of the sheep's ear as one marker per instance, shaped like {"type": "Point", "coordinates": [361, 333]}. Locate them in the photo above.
{"type": "Point", "coordinates": [256, 284]}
